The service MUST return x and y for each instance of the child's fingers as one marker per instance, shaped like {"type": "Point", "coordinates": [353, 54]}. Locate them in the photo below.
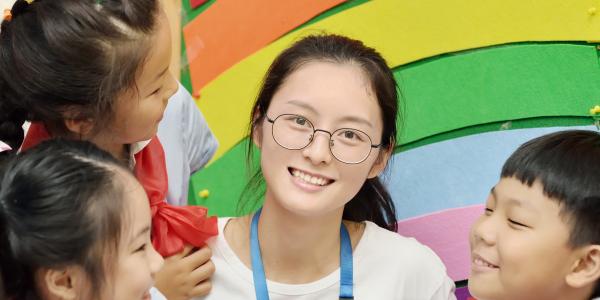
{"type": "Point", "coordinates": [201, 289]}
{"type": "Point", "coordinates": [186, 250]}
{"type": "Point", "coordinates": [198, 258]}
{"type": "Point", "coordinates": [202, 273]}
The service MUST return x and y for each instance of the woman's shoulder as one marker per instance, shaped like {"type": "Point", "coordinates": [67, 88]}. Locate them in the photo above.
{"type": "Point", "coordinates": [394, 248]}
{"type": "Point", "coordinates": [405, 267]}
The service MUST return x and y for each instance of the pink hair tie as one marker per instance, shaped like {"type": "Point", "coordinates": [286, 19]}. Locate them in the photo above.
{"type": "Point", "coordinates": [4, 147]}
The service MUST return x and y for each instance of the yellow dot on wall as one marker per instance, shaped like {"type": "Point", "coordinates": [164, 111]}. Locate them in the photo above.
{"type": "Point", "coordinates": [592, 11]}
{"type": "Point", "coordinates": [204, 193]}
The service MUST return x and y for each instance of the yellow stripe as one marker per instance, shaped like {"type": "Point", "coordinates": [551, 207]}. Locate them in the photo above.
{"type": "Point", "coordinates": [404, 31]}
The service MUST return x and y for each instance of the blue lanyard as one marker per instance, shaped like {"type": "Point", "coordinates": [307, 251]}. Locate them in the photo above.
{"type": "Point", "coordinates": [258, 270]}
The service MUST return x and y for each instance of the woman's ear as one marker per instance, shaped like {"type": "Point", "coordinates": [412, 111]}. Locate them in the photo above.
{"type": "Point", "coordinates": [62, 283]}
{"type": "Point", "coordinates": [381, 161]}
{"type": "Point", "coordinates": [257, 128]}
{"type": "Point", "coordinates": [585, 271]}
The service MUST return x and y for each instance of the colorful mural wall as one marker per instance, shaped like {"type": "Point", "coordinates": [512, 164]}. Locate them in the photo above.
{"type": "Point", "coordinates": [477, 78]}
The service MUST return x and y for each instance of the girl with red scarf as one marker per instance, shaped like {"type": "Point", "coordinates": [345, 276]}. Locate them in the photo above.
{"type": "Point", "coordinates": [99, 71]}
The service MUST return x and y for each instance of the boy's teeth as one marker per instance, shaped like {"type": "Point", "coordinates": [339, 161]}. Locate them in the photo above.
{"type": "Point", "coordinates": [483, 263]}
{"type": "Point", "coordinates": [309, 179]}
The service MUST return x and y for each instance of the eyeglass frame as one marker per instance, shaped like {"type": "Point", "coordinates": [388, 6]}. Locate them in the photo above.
{"type": "Point", "coordinates": [373, 146]}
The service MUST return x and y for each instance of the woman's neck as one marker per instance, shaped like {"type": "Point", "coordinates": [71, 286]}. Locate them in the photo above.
{"type": "Point", "coordinates": [298, 249]}
{"type": "Point", "coordinates": [294, 249]}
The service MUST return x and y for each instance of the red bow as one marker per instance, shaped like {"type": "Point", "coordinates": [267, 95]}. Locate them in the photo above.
{"type": "Point", "coordinates": [172, 226]}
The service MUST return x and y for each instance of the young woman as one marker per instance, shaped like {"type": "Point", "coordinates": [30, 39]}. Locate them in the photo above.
{"type": "Point", "coordinates": [325, 123]}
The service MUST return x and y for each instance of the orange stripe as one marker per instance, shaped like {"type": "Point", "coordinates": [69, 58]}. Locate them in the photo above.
{"type": "Point", "coordinates": [231, 30]}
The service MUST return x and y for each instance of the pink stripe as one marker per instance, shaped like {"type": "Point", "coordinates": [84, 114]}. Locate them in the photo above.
{"type": "Point", "coordinates": [447, 234]}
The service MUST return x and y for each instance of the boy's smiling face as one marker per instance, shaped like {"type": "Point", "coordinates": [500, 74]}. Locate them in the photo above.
{"type": "Point", "coordinates": [519, 247]}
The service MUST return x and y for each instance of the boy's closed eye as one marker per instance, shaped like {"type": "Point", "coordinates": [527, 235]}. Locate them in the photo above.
{"type": "Point", "coordinates": [488, 211]}
{"type": "Point", "coordinates": [517, 224]}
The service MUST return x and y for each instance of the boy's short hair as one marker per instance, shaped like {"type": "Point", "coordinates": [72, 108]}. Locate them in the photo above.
{"type": "Point", "coordinates": [567, 164]}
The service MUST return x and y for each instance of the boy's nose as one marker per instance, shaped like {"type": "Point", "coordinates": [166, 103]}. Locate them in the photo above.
{"type": "Point", "coordinates": [484, 230]}
{"type": "Point", "coordinates": [318, 150]}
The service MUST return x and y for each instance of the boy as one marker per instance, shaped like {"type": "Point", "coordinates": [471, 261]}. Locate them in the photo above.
{"type": "Point", "coordinates": [540, 235]}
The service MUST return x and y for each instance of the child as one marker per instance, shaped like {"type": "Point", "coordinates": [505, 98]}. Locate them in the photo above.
{"type": "Point", "coordinates": [74, 224]}
{"type": "Point", "coordinates": [98, 71]}
{"type": "Point", "coordinates": [540, 235]}
{"type": "Point", "coordinates": [325, 121]}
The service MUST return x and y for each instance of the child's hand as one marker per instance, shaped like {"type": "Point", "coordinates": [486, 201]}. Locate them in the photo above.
{"type": "Point", "coordinates": [186, 274]}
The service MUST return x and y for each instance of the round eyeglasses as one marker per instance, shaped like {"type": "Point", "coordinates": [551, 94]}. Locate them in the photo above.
{"type": "Point", "coordinates": [295, 132]}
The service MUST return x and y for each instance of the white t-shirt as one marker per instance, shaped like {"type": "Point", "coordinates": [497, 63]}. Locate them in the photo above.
{"type": "Point", "coordinates": [386, 266]}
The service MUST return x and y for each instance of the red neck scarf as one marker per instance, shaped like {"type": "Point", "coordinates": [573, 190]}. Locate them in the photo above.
{"type": "Point", "coordinates": [172, 226]}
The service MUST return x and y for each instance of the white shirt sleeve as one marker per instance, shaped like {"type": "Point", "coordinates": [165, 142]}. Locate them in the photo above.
{"type": "Point", "coordinates": [445, 291]}
{"type": "Point", "coordinates": [155, 294]}
{"type": "Point", "coordinates": [200, 143]}
{"type": "Point", "coordinates": [187, 141]}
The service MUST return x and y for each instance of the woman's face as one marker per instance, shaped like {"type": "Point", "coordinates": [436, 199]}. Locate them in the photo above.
{"type": "Point", "coordinates": [330, 96]}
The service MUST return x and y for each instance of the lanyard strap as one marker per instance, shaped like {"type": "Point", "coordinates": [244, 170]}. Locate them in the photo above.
{"type": "Point", "coordinates": [258, 270]}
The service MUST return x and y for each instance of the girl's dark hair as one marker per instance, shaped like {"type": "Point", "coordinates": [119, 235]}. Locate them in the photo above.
{"type": "Point", "coordinates": [61, 204]}
{"type": "Point", "coordinates": [373, 202]}
{"type": "Point", "coordinates": [566, 163]}
{"type": "Point", "coordinates": [69, 59]}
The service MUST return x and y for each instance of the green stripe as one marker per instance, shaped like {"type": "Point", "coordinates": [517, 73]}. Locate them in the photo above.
{"type": "Point", "coordinates": [497, 84]}
{"type": "Point", "coordinates": [454, 95]}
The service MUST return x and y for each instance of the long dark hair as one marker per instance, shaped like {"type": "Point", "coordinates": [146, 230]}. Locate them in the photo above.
{"type": "Point", "coordinates": [373, 202]}
{"type": "Point", "coordinates": [71, 59]}
{"type": "Point", "coordinates": [61, 204]}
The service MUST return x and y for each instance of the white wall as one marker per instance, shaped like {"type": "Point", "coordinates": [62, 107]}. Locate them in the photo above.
{"type": "Point", "coordinates": [6, 4]}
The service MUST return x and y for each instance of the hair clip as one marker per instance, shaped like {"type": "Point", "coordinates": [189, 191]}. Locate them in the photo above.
{"type": "Point", "coordinates": [595, 113]}
{"type": "Point", "coordinates": [4, 147]}
{"type": "Point", "coordinates": [29, 1]}
{"type": "Point", "coordinates": [7, 15]}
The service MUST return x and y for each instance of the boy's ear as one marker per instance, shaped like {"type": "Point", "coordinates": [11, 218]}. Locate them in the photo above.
{"type": "Point", "coordinates": [61, 283]}
{"type": "Point", "coordinates": [586, 269]}
{"type": "Point", "coordinates": [381, 162]}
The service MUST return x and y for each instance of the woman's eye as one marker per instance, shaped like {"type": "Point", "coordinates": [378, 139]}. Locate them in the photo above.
{"type": "Point", "coordinates": [349, 135]}
{"type": "Point", "coordinates": [488, 211]}
{"type": "Point", "coordinates": [155, 92]}
{"type": "Point", "coordinates": [300, 121]}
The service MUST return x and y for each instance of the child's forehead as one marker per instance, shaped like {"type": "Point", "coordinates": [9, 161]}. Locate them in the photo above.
{"type": "Point", "coordinates": [159, 53]}
{"type": "Point", "coordinates": [513, 192]}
